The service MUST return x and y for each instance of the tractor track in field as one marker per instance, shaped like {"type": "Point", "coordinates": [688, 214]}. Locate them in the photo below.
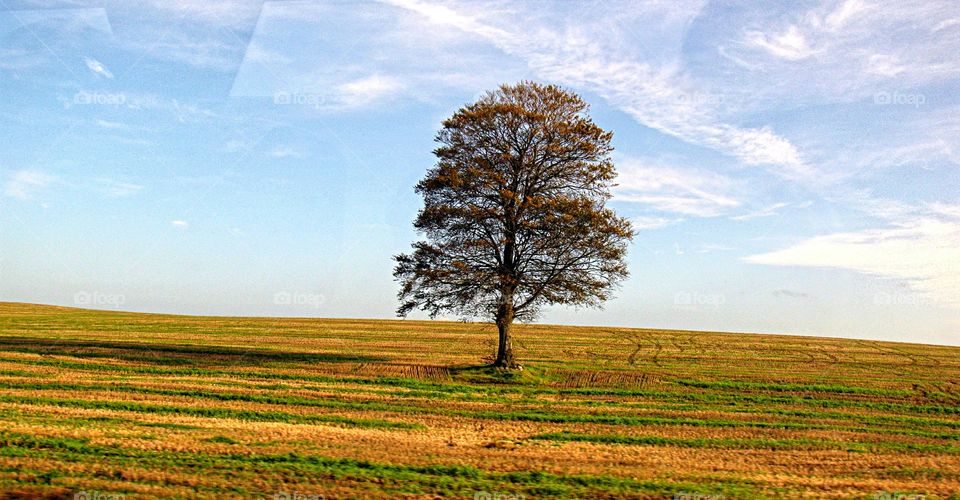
{"type": "Point", "coordinates": [790, 354]}
{"type": "Point", "coordinates": [831, 357]}
{"type": "Point", "coordinates": [822, 357]}
{"type": "Point", "coordinates": [632, 339]}
{"type": "Point", "coordinates": [632, 359]}
{"type": "Point", "coordinates": [931, 361]}
{"type": "Point", "coordinates": [638, 341]}
{"type": "Point", "coordinates": [951, 388]}
{"type": "Point", "coordinates": [659, 349]}
{"type": "Point", "coordinates": [696, 345]}
{"type": "Point", "coordinates": [675, 340]}
{"type": "Point", "coordinates": [948, 391]}
{"type": "Point", "coordinates": [810, 357]}
{"type": "Point", "coordinates": [887, 350]}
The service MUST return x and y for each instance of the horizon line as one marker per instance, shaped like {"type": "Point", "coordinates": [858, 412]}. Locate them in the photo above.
{"type": "Point", "coordinates": [452, 321]}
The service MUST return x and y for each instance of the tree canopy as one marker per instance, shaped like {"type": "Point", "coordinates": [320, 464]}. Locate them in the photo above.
{"type": "Point", "coordinates": [515, 215]}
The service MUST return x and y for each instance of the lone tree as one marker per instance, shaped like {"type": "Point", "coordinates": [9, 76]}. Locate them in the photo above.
{"type": "Point", "coordinates": [514, 213]}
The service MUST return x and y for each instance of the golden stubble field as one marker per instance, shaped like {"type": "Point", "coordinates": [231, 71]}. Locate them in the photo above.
{"type": "Point", "coordinates": [106, 404]}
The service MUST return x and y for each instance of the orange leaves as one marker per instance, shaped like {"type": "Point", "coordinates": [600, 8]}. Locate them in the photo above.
{"type": "Point", "coordinates": [515, 209]}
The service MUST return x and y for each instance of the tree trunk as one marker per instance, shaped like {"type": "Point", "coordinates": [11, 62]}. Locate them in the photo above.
{"type": "Point", "coordinates": [504, 347]}
{"type": "Point", "coordinates": [505, 357]}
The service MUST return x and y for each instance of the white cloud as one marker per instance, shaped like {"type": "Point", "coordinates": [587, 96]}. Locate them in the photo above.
{"type": "Point", "coordinates": [736, 60]}
{"type": "Point", "coordinates": [924, 140]}
{"type": "Point", "coordinates": [844, 13]}
{"type": "Point", "coordinates": [207, 34]}
{"type": "Point", "coordinates": [949, 23]}
{"type": "Point", "coordinates": [792, 294]}
{"type": "Point", "coordinates": [366, 90]}
{"type": "Point", "coordinates": [644, 222]}
{"type": "Point", "coordinates": [285, 152]}
{"type": "Point", "coordinates": [16, 59]}
{"type": "Point", "coordinates": [111, 125]}
{"type": "Point", "coordinates": [237, 146]}
{"type": "Point", "coordinates": [203, 41]}
{"type": "Point", "coordinates": [839, 51]}
{"type": "Point", "coordinates": [339, 65]}
{"type": "Point", "coordinates": [769, 210]}
{"type": "Point", "coordinates": [337, 62]}
{"type": "Point", "coordinates": [116, 189]}
{"type": "Point", "coordinates": [183, 112]}
{"type": "Point", "coordinates": [98, 68]}
{"type": "Point", "coordinates": [922, 249]}
{"type": "Point", "coordinates": [884, 65]}
{"type": "Point", "coordinates": [234, 13]}
{"type": "Point", "coordinates": [713, 247]}
{"type": "Point", "coordinates": [790, 45]}
{"type": "Point", "coordinates": [22, 184]}
{"type": "Point", "coordinates": [179, 223]}
{"type": "Point", "coordinates": [658, 96]}
{"type": "Point", "coordinates": [674, 190]}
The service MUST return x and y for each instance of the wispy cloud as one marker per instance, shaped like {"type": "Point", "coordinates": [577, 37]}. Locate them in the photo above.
{"type": "Point", "coordinates": [179, 223]}
{"type": "Point", "coordinates": [791, 44]}
{"type": "Point", "coordinates": [713, 247]}
{"type": "Point", "coordinates": [112, 188]}
{"type": "Point", "coordinates": [237, 146]}
{"type": "Point", "coordinates": [98, 68]}
{"type": "Point", "coordinates": [646, 222]}
{"type": "Point", "coordinates": [658, 96]}
{"type": "Point", "coordinates": [337, 67]}
{"type": "Point", "coordinates": [195, 47]}
{"type": "Point", "coordinates": [285, 152]}
{"type": "Point", "coordinates": [181, 110]}
{"type": "Point", "coordinates": [920, 140]}
{"type": "Point", "coordinates": [205, 34]}
{"type": "Point", "coordinates": [769, 210]}
{"type": "Point", "coordinates": [233, 13]}
{"type": "Point", "coordinates": [111, 125]}
{"type": "Point", "coordinates": [16, 59]}
{"type": "Point", "coordinates": [367, 90]}
{"type": "Point", "coordinates": [791, 294]}
{"type": "Point", "coordinates": [832, 52]}
{"type": "Point", "coordinates": [674, 190]}
{"type": "Point", "coordinates": [922, 249]}
{"type": "Point", "coordinates": [22, 184]}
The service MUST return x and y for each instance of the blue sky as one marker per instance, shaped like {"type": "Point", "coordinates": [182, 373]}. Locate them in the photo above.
{"type": "Point", "coordinates": [791, 167]}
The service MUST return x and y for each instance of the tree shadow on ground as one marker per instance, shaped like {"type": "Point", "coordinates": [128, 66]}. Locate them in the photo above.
{"type": "Point", "coordinates": [178, 354]}
{"type": "Point", "coordinates": [489, 374]}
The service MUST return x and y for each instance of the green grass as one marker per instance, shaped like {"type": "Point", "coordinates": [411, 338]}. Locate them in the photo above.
{"type": "Point", "coordinates": [253, 416]}
{"type": "Point", "coordinates": [449, 480]}
{"type": "Point", "coordinates": [773, 444]}
{"type": "Point", "coordinates": [178, 406]}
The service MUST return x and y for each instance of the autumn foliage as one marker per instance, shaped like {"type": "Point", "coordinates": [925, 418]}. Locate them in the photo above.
{"type": "Point", "coordinates": [515, 214]}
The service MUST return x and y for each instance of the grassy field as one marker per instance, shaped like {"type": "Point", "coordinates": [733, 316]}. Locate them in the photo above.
{"type": "Point", "coordinates": [145, 405]}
